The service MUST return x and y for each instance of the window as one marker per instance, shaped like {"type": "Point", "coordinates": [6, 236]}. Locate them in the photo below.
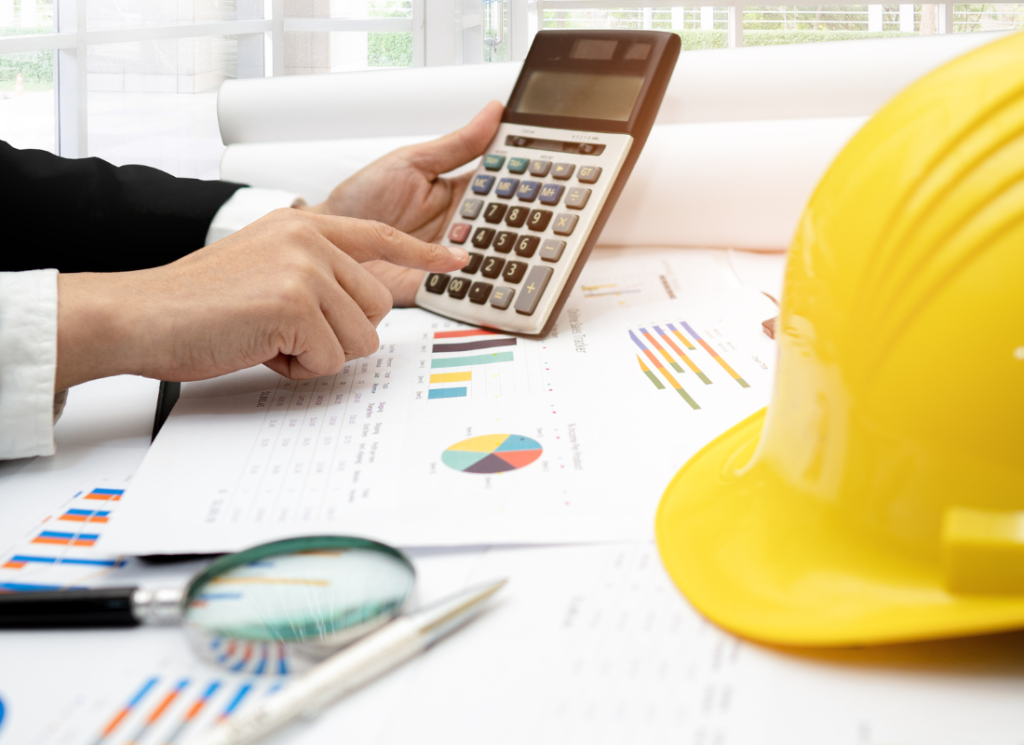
{"type": "Point", "coordinates": [135, 81]}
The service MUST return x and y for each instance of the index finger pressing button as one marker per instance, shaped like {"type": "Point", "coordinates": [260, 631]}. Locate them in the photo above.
{"type": "Point", "coordinates": [535, 285]}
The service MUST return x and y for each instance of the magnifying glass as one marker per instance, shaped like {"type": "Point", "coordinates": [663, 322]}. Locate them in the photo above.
{"type": "Point", "coordinates": [272, 609]}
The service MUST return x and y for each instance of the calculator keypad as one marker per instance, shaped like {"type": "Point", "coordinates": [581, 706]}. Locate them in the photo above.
{"type": "Point", "coordinates": [522, 218]}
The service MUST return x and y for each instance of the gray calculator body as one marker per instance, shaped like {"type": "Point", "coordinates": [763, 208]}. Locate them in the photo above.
{"type": "Point", "coordinates": [534, 208]}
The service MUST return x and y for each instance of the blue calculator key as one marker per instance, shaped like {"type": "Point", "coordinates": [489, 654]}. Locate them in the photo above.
{"type": "Point", "coordinates": [482, 184]}
{"type": "Point", "coordinates": [518, 165]}
{"type": "Point", "coordinates": [550, 194]}
{"type": "Point", "coordinates": [494, 162]}
{"type": "Point", "coordinates": [528, 191]}
{"type": "Point", "coordinates": [507, 187]}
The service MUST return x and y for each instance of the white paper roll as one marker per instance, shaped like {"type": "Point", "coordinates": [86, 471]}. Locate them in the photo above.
{"type": "Point", "coordinates": [732, 184]}
{"type": "Point", "coordinates": [838, 79]}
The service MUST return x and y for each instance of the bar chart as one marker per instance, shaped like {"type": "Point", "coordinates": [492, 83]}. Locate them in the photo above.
{"type": "Point", "coordinates": [674, 356]}
{"type": "Point", "coordinates": [464, 359]}
{"type": "Point", "coordinates": [60, 552]}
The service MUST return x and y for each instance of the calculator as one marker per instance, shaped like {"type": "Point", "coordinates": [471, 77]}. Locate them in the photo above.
{"type": "Point", "coordinates": [576, 121]}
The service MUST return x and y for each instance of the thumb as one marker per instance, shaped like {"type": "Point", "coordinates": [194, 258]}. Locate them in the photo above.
{"type": "Point", "coordinates": [459, 147]}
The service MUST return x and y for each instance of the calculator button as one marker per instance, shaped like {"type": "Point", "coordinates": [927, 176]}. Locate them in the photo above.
{"type": "Point", "coordinates": [577, 198]}
{"type": "Point", "coordinates": [459, 232]}
{"type": "Point", "coordinates": [494, 162]}
{"type": "Point", "coordinates": [516, 217]}
{"type": "Point", "coordinates": [482, 184]}
{"type": "Point", "coordinates": [458, 288]}
{"type": "Point", "coordinates": [528, 191]}
{"type": "Point", "coordinates": [494, 212]}
{"type": "Point", "coordinates": [502, 297]}
{"type": "Point", "coordinates": [518, 165]}
{"type": "Point", "coordinates": [492, 267]}
{"type": "Point", "coordinates": [565, 223]}
{"type": "Point", "coordinates": [473, 265]}
{"type": "Point", "coordinates": [471, 208]}
{"type": "Point", "coordinates": [527, 246]}
{"type": "Point", "coordinates": [562, 171]}
{"type": "Point", "coordinates": [589, 174]}
{"type": "Point", "coordinates": [480, 292]}
{"type": "Point", "coordinates": [506, 187]}
{"type": "Point", "coordinates": [550, 194]}
{"type": "Point", "coordinates": [552, 249]}
{"type": "Point", "coordinates": [535, 285]}
{"type": "Point", "coordinates": [437, 283]}
{"type": "Point", "coordinates": [514, 271]}
{"type": "Point", "coordinates": [538, 220]}
{"type": "Point", "coordinates": [504, 242]}
{"type": "Point", "coordinates": [540, 167]}
{"type": "Point", "coordinates": [482, 237]}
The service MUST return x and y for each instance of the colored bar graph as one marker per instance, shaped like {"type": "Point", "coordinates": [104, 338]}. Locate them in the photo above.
{"type": "Point", "coordinates": [683, 339]}
{"type": "Point", "coordinates": [456, 377]}
{"type": "Point", "coordinates": [18, 561]}
{"type": "Point", "coordinates": [661, 368]}
{"type": "Point", "coordinates": [57, 538]}
{"type": "Point", "coordinates": [647, 371]}
{"type": "Point", "coordinates": [682, 355]}
{"type": "Point", "coordinates": [112, 495]}
{"type": "Point", "coordinates": [236, 701]}
{"type": "Point", "coordinates": [459, 392]}
{"type": "Point", "coordinates": [462, 333]}
{"type": "Point", "coordinates": [479, 359]}
{"type": "Point", "coordinates": [666, 355]}
{"type": "Point", "coordinates": [713, 353]}
{"type": "Point", "coordinates": [86, 516]}
{"type": "Point", "coordinates": [114, 723]}
{"type": "Point", "coordinates": [193, 711]}
{"type": "Point", "coordinates": [154, 716]}
{"type": "Point", "coordinates": [470, 346]}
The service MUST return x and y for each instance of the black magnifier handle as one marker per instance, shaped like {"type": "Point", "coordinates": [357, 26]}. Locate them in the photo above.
{"type": "Point", "coordinates": [104, 607]}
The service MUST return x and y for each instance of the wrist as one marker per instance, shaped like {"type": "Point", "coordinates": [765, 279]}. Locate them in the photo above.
{"type": "Point", "coordinates": [93, 329]}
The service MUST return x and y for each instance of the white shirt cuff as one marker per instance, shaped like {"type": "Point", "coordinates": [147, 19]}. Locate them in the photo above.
{"type": "Point", "coordinates": [28, 362]}
{"type": "Point", "coordinates": [247, 206]}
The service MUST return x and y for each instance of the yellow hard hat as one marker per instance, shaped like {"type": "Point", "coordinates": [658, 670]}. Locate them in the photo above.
{"type": "Point", "coordinates": [881, 498]}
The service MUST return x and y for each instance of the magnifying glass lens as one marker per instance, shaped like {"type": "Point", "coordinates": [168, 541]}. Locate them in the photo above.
{"type": "Point", "coordinates": [316, 596]}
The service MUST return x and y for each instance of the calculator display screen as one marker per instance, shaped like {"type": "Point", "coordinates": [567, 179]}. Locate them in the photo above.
{"type": "Point", "coordinates": [580, 95]}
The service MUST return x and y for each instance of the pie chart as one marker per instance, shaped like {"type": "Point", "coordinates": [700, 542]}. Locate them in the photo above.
{"type": "Point", "coordinates": [492, 453]}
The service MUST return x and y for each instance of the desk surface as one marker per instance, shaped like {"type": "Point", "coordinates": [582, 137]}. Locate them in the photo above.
{"type": "Point", "coordinates": [588, 643]}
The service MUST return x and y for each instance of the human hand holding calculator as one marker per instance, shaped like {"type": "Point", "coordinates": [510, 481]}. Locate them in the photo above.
{"type": "Point", "coordinates": [575, 124]}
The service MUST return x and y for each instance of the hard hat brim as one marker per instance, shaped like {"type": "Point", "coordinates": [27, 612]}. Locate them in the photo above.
{"type": "Point", "coordinates": [743, 557]}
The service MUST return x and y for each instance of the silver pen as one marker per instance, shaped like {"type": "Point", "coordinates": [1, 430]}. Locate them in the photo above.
{"type": "Point", "coordinates": [352, 667]}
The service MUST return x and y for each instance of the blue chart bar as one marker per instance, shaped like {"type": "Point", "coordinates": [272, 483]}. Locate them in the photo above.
{"type": "Point", "coordinates": [447, 392]}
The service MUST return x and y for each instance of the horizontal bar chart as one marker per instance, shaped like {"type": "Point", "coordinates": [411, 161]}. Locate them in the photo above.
{"type": "Point", "coordinates": [651, 376]}
{"type": "Point", "coordinates": [682, 355]}
{"type": "Point", "coordinates": [111, 495]}
{"type": "Point", "coordinates": [664, 371]}
{"type": "Point", "coordinates": [471, 346]}
{"type": "Point", "coordinates": [86, 516]}
{"type": "Point", "coordinates": [479, 359]}
{"type": "Point", "coordinates": [19, 561]}
{"type": "Point", "coordinates": [458, 392]}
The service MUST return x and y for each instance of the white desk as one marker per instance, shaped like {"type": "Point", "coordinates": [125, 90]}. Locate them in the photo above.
{"type": "Point", "coordinates": [588, 644]}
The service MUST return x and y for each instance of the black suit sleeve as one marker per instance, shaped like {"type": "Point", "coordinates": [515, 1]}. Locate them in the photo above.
{"type": "Point", "coordinates": [90, 216]}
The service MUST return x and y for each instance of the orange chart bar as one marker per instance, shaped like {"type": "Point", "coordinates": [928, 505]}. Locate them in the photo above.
{"type": "Point", "coordinates": [664, 371]}
{"type": "Point", "coordinates": [713, 353]}
{"type": "Point", "coordinates": [114, 723]}
{"type": "Point", "coordinates": [164, 705]}
{"type": "Point", "coordinates": [460, 333]}
{"type": "Point", "coordinates": [682, 355]}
